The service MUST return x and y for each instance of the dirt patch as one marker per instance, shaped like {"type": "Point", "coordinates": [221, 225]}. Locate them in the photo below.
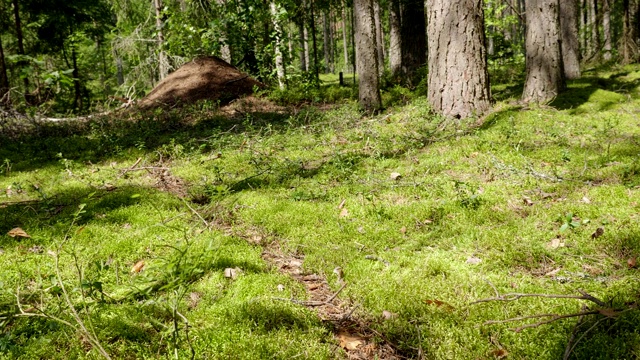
{"type": "Point", "coordinates": [204, 78]}
{"type": "Point", "coordinates": [251, 105]}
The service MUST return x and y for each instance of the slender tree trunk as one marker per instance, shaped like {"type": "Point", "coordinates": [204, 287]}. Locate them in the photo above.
{"type": "Point", "coordinates": [395, 39]}
{"type": "Point", "coordinates": [584, 25]}
{"type": "Point", "coordinates": [20, 38]}
{"type": "Point", "coordinates": [606, 26]}
{"type": "Point", "coordinates": [163, 65]}
{"type": "Point", "coordinates": [570, 43]}
{"type": "Point", "coordinates": [225, 49]}
{"type": "Point", "coordinates": [307, 57]}
{"type": "Point", "coordinates": [326, 36]}
{"type": "Point", "coordinates": [366, 56]}
{"type": "Point", "coordinates": [414, 43]}
{"type": "Point", "coordinates": [278, 45]}
{"type": "Point", "coordinates": [345, 42]}
{"type": "Point", "coordinates": [379, 35]}
{"type": "Point", "coordinates": [303, 45]}
{"type": "Point", "coordinates": [77, 101]}
{"type": "Point", "coordinates": [544, 78]}
{"type": "Point", "coordinates": [626, 50]}
{"type": "Point", "coordinates": [316, 66]}
{"type": "Point", "coordinates": [595, 33]}
{"type": "Point", "coordinates": [458, 81]}
{"type": "Point", "coordinates": [4, 79]}
{"type": "Point", "coordinates": [332, 42]}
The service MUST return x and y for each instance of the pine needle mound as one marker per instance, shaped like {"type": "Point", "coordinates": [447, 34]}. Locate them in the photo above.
{"type": "Point", "coordinates": [204, 78]}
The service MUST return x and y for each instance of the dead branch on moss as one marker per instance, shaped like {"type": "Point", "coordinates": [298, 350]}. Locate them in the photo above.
{"type": "Point", "coordinates": [314, 303]}
{"type": "Point", "coordinates": [516, 296]}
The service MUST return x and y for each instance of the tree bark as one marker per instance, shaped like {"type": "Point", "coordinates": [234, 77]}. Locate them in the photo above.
{"type": "Point", "coordinates": [628, 46]}
{"type": "Point", "coordinates": [366, 56]}
{"type": "Point", "coordinates": [278, 45]}
{"type": "Point", "coordinates": [544, 78]}
{"type": "Point", "coordinates": [345, 42]}
{"type": "Point", "coordinates": [414, 43]}
{"type": "Point", "coordinates": [379, 35]}
{"type": "Point", "coordinates": [595, 34]}
{"type": "Point", "coordinates": [4, 79]}
{"type": "Point", "coordinates": [570, 42]}
{"type": "Point", "coordinates": [316, 67]}
{"type": "Point", "coordinates": [163, 65]}
{"type": "Point", "coordinates": [458, 81]}
{"type": "Point", "coordinates": [77, 101]}
{"type": "Point", "coordinates": [395, 39]}
{"type": "Point", "coordinates": [225, 49]}
{"type": "Point", "coordinates": [20, 38]}
{"type": "Point", "coordinates": [606, 28]}
{"type": "Point", "coordinates": [303, 47]}
{"type": "Point", "coordinates": [326, 43]}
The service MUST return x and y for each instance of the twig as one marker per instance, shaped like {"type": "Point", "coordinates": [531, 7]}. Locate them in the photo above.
{"type": "Point", "coordinates": [234, 80]}
{"type": "Point", "coordinates": [124, 171]}
{"type": "Point", "coordinates": [347, 316]}
{"type": "Point", "coordinates": [571, 343]}
{"type": "Point", "coordinates": [314, 303]}
{"type": "Point", "coordinates": [567, 353]}
{"type": "Point", "coordinates": [195, 212]}
{"type": "Point", "coordinates": [516, 296]}
{"type": "Point", "coordinates": [555, 318]}
{"type": "Point", "coordinates": [493, 287]}
{"type": "Point", "coordinates": [373, 257]}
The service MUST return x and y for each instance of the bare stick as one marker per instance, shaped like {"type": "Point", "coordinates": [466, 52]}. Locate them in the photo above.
{"type": "Point", "coordinates": [195, 212]}
{"type": "Point", "coordinates": [516, 296]}
{"type": "Point", "coordinates": [314, 303]}
{"type": "Point", "coordinates": [555, 318]}
{"type": "Point", "coordinates": [537, 316]}
{"type": "Point", "coordinates": [571, 343]}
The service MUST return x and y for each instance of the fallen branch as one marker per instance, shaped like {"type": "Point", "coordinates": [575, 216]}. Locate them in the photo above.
{"type": "Point", "coordinates": [315, 303]}
{"type": "Point", "coordinates": [516, 296]}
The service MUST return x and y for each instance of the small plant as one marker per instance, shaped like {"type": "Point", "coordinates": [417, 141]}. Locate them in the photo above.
{"type": "Point", "coordinates": [570, 221]}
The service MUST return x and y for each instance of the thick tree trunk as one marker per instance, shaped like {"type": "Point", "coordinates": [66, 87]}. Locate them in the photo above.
{"type": "Point", "coordinates": [163, 65]}
{"type": "Point", "coordinates": [345, 42]}
{"type": "Point", "coordinates": [458, 82]}
{"type": "Point", "coordinates": [570, 43]}
{"type": "Point", "coordinates": [395, 39]}
{"type": "Point", "coordinates": [278, 45]}
{"type": "Point", "coordinates": [20, 38]}
{"type": "Point", "coordinates": [414, 43]}
{"type": "Point", "coordinates": [544, 78]}
{"type": "Point", "coordinates": [366, 56]}
{"type": "Point", "coordinates": [4, 79]}
{"type": "Point", "coordinates": [379, 35]}
{"type": "Point", "coordinates": [606, 27]}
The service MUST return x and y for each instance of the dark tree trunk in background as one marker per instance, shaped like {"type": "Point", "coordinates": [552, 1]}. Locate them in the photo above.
{"type": "Point", "coordinates": [545, 73]}
{"type": "Point", "coordinates": [20, 38]}
{"type": "Point", "coordinates": [379, 35]}
{"type": "Point", "coordinates": [77, 101]}
{"type": "Point", "coordinates": [595, 33]}
{"type": "Point", "coordinates": [345, 42]}
{"type": "Point", "coordinates": [303, 45]}
{"type": "Point", "coordinates": [570, 42]}
{"type": "Point", "coordinates": [606, 28]}
{"type": "Point", "coordinates": [366, 56]}
{"type": "Point", "coordinates": [395, 39]}
{"type": "Point", "coordinates": [458, 78]}
{"type": "Point", "coordinates": [4, 79]}
{"type": "Point", "coordinates": [628, 45]}
{"type": "Point", "coordinates": [316, 66]}
{"type": "Point", "coordinates": [414, 42]}
{"type": "Point", "coordinates": [326, 42]}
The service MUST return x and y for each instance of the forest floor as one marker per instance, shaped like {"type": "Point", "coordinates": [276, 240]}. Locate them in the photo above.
{"type": "Point", "coordinates": [316, 233]}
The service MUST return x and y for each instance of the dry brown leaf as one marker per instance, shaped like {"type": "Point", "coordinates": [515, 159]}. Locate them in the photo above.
{"type": "Point", "coordinates": [555, 243]}
{"type": "Point", "coordinates": [342, 204]}
{"type": "Point", "coordinates": [553, 272]}
{"type": "Point", "coordinates": [632, 263]}
{"type": "Point", "coordinates": [527, 201]}
{"type": "Point", "coordinates": [608, 312]}
{"type": "Point", "coordinates": [500, 353]}
{"type": "Point", "coordinates": [138, 267]}
{"type": "Point", "coordinates": [599, 232]}
{"type": "Point", "coordinates": [350, 341]}
{"type": "Point", "coordinates": [473, 260]}
{"type": "Point", "coordinates": [403, 230]}
{"type": "Point", "coordinates": [344, 213]}
{"type": "Point", "coordinates": [388, 315]}
{"type": "Point", "coordinates": [438, 303]}
{"type": "Point", "coordinates": [18, 232]}
{"type": "Point", "coordinates": [395, 176]}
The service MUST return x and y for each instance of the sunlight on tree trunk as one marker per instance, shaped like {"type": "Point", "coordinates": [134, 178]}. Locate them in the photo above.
{"type": "Point", "coordinates": [278, 45]}
{"type": "Point", "coordinates": [163, 66]}
{"type": "Point", "coordinates": [395, 38]}
{"type": "Point", "coordinates": [366, 56]}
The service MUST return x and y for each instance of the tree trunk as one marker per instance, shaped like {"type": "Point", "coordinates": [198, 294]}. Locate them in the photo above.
{"type": "Point", "coordinates": [4, 79]}
{"type": "Point", "coordinates": [119, 71]}
{"type": "Point", "coordinates": [77, 101]}
{"type": "Point", "coordinates": [366, 56]}
{"type": "Point", "coordinates": [225, 49]}
{"type": "Point", "coordinates": [414, 43]}
{"type": "Point", "coordinates": [16, 13]}
{"type": "Point", "coordinates": [278, 45]}
{"type": "Point", "coordinates": [395, 38]}
{"type": "Point", "coordinates": [606, 27]}
{"type": "Point", "coordinates": [628, 48]}
{"type": "Point", "coordinates": [316, 67]}
{"type": "Point", "coordinates": [345, 43]}
{"type": "Point", "coordinates": [570, 43]}
{"type": "Point", "coordinates": [458, 81]}
{"type": "Point", "coordinates": [544, 78]}
{"type": "Point", "coordinates": [303, 47]}
{"type": "Point", "coordinates": [326, 35]}
{"type": "Point", "coordinates": [307, 58]}
{"type": "Point", "coordinates": [584, 25]}
{"type": "Point", "coordinates": [163, 65]}
{"type": "Point", "coordinates": [595, 34]}
{"type": "Point", "coordinates": [379, 35]}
